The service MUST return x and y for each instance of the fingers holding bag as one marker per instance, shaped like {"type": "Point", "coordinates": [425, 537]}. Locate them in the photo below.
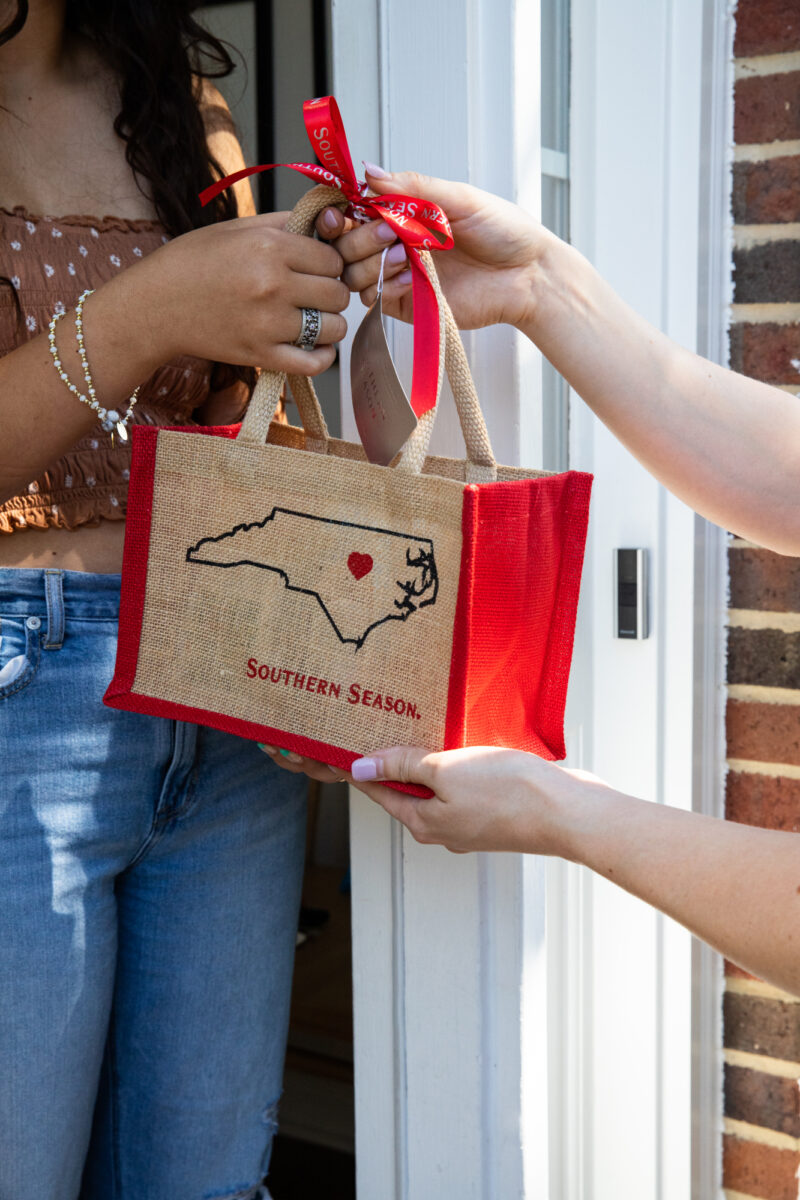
{"type": "Point", "coordinates": [234, 292]}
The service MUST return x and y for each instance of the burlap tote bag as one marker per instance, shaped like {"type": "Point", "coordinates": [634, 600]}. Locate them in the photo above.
{"type": "Point", "coordinates": [279, 586]}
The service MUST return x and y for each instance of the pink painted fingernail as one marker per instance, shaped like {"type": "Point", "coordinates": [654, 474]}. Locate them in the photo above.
{"type": "Point", "coordinates": [364, 769]}
{"type": "Point", "coordinates": [396, 254]}
{"type": "Point", "coordinates": [384, 232]}
{"type": "Point", "coordinates": [374, 170]}
{"type": "Point", "coordinates": [330, 219]}
{"type": "Point", "coordinates": [403, 277]}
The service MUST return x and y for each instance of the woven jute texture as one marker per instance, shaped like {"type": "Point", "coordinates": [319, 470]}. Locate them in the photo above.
{"type": "Point", "coordinates": [313, 594]}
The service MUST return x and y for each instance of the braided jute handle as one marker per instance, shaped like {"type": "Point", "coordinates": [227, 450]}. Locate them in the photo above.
{"type": "Point", "coordinates": [269, 388]}
{"type": "Point", "coordinates": [480, 465]}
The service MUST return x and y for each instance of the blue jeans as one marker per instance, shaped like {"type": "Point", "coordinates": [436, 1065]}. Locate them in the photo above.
{"type": "Point", "coordinates": [150, 875]}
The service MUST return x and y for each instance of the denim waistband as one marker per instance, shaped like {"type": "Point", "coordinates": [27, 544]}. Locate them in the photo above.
{"type": "Point", "coordinates": [25, 591]}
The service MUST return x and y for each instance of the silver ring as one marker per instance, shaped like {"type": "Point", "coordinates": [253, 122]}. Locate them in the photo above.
{"type": "Point", "coordinates": [312, 327]}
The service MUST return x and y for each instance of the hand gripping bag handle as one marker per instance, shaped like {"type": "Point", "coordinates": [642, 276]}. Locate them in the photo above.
{"type": "Point", "coordinates": [481, 466]}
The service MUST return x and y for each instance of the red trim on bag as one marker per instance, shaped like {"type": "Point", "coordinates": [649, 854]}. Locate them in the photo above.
{"type": "Point", "coordinates": [134, 559]}
{"type": "Point", "coordinates": [334, 756]}
{"type": "Point", "coordinates": [521, 563]}
{"type": "Point", "coordinates": [454, 729]}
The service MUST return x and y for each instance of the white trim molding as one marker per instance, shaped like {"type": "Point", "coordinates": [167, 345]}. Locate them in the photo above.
{"type": "Point", "coordinates": [647, 711]}
{"type": "Point", "coordinates": [450, 969]}
{"type": "Point", "coordinates": [715, 295]}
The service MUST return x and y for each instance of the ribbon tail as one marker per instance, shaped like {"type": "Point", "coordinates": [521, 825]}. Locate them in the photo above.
{"type": "Point", "coordinates": [427, 348]}
{"type": "Point", "coordinates": [318, 174]}
{"type": "Point", "coordinates": [209, 193]}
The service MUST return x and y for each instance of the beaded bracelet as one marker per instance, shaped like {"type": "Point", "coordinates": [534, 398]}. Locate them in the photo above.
{"type": "Point", "coordinates": [108, 417]}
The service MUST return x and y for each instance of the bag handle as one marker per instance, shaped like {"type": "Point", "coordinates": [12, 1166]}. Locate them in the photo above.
{"type": "Point", "coordinates": [481, 466]}
{"type": "Point", "coordinates": [269, 387]}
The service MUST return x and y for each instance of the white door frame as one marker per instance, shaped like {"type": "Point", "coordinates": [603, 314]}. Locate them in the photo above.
{"type": "Point", "coordinates": [448, 951]}
{"type": "Point", "coordinates": [715, 295]}
{"type": "Point", "coordinates": [459, 982]}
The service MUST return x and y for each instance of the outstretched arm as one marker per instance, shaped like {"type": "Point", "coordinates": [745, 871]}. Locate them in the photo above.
{"type": "Point", "coordinates": [734, 886]}
{"type": "Point", "coordinates": [727, 445]}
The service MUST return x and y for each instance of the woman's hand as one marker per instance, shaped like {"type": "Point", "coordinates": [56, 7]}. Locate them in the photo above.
{"type": "Point", "coordinates": [233, 292]}
{"type": "Point", "coordinates": [487, 276]}
{"type": "Point", "coordinates": [724, 444]}
{"type": "Point", "coordinates": [732, 885]}
{"type": "Point", "coordinates": [295, 764]}
{"type": "Point", "coordinates": [485, 798]}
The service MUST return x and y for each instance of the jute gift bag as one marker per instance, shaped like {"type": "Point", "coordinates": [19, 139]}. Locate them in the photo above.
{"type": "Point", "coordinates": [279, 586]}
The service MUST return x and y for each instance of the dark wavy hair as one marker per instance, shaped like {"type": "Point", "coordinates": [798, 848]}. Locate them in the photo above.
{"type": "Point", "coordinates": [159, 55]}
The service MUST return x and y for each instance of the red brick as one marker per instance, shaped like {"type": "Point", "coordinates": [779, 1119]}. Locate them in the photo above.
{"type": "Point", "coordinates": [764, 732]}
{"type": "Point", "coordinates": [762, 1025]}
{"type": "Point", "coordinates": [766, 352]}
{"type": "Point", "coordinates": [758, 1170]}
{"type": "Point", "coordinates": [763, 580]}
{"type": "Point", "coordinates": [766, 27]}
{"type": "Point", "coordinates": [767, 108]}
{"type": "Point", "coordinates": [765, 658]}
{"type": "Point", "coordinates": [771, 1101]}
{"type": "Point", "coordinates": [766, 193]}
{"type": "Point", "coordinates": [767, 274]}
{"type": "Point", "coordinates": [764, 800]}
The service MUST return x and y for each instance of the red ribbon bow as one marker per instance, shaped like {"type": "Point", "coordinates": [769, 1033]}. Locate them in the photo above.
{"type": "Point", "coordinates": [419, 224]}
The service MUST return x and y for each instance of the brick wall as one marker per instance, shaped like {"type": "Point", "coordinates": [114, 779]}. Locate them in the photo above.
{"type": "Point", "coordinates": [761, 1152]}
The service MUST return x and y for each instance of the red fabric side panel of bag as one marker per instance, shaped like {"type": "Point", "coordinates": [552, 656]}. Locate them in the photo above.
{"type": "Point", "coordinates": [515, 619]}
{"type": "Point", "coordinates": [134, 562]}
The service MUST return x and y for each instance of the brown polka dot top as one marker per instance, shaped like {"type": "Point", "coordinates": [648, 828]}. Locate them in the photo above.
{"type": "Point", "coordinates": [50, 261]}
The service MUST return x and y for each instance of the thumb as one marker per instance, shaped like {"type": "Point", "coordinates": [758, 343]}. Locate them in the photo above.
{"type": "Point", "coordinates": [402, 764]}
{"type": "Point", "coordinates": [453, 197]}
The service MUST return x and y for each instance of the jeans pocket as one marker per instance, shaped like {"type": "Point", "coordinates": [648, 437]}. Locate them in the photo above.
{"type": "Point", "coordinates": [20, 651]}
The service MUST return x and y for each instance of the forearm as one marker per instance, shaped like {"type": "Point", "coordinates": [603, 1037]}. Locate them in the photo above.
{"type": "Point", "coordinates": [727, 445]}
{"type": "Point", "coordinates": [734, 886]}
{"type": "Point", "coordinates": [39, 418]}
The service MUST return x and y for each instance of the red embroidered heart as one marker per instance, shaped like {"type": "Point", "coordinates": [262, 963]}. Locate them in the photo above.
{"type": "Point", "coordinates": [359, 564]}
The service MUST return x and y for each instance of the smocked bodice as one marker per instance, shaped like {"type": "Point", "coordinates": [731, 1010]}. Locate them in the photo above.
{"type": "Point", "coordinates": [49, 262]}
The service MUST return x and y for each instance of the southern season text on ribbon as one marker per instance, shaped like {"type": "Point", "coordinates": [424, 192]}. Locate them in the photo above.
{"type": "Point", "coordinates": [355, 694]}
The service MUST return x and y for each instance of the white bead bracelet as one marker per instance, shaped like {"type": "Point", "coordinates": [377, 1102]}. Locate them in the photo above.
{"type": "Point", "coordinates": [108, 417]}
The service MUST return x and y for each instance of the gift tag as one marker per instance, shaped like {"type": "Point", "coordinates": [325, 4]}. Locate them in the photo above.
{"type": "Point", "coordinates": [384, 417]}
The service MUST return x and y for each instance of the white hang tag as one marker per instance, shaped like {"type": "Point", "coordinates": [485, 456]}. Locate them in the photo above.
{"type": "Point", "coordinates": [384, 416]}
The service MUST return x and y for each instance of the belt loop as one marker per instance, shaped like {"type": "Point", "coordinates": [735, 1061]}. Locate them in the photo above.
{"type": "Point", "coordinates": [54, 592]}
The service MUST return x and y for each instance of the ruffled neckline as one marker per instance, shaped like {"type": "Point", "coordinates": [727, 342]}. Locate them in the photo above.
{"type": "Point", "coordinates": [101, 224]}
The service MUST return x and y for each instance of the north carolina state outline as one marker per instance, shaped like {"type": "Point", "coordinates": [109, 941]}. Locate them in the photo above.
{"type": "Point", "coordinates": [360, 575]}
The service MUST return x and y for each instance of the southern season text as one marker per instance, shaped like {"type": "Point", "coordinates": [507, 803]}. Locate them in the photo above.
{"type": "Point", "coordinates": [355, 694]}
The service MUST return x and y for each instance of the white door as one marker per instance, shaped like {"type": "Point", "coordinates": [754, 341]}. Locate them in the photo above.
{"type": "Point", "coordinates": [521, 1029]}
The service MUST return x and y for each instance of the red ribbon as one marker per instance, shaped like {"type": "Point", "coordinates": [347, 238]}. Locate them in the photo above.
{"type": "Point", "coordinates": [419, 224]}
